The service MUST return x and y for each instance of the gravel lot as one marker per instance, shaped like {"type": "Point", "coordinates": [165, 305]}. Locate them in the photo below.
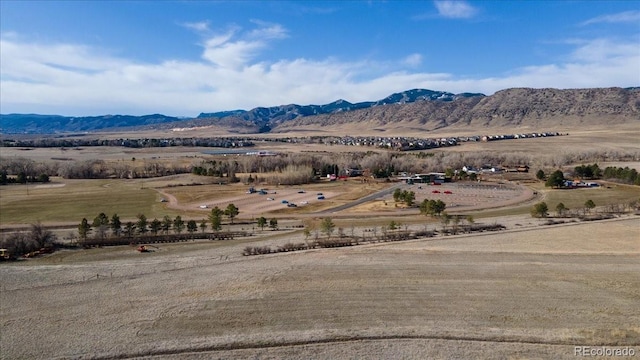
{"type": "Point", "coordinates": [529, 293]}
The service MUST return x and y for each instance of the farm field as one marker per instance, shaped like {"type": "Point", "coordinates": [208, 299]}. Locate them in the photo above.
{"type": "Point", "coordinates": [533, 293]}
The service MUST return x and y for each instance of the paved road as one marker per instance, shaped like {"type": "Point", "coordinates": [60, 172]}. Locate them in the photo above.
{"type": "Point", "coordinates": [363, 200]}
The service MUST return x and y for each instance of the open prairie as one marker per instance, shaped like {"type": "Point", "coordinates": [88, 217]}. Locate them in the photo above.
{"type": "Point", "coordinates": [531, 293]}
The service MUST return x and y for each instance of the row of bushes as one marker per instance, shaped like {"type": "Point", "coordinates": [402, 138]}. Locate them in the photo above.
{"type": "Point", "coordinates": [162, 238]}
{"type": "Point", "coordinates": [343, 241]}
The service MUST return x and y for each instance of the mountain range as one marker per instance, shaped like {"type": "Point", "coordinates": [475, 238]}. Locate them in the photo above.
{"type": "Point", "coordinates": [419, 108]}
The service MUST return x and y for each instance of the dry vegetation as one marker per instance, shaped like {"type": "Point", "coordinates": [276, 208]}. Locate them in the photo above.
{"type": "Point", "coordinates": [531, 291]}
{"type": "Point", "coordinates": [537, 291]}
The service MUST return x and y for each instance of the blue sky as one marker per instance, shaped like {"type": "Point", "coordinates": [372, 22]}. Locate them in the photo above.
{"type": "Point", "coordinates": [185, 57]}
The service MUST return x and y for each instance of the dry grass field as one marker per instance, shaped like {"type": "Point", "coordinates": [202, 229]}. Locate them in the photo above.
{"type": "Point", "coordinates": [532, 293]}
{"type": "Point", "coordinates": [68, 201]}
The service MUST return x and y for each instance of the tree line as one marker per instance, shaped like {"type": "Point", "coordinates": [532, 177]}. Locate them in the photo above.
{"type": "Point", "coordinates": [33, 171]}
{"type": "Point", "coordinates": [104, 226]}
{"type": "Point", "coordinates": [22, 178]}
{"type": "Point", "coordinates": [626, 175]}
{"type": "Point", "coordinates": [542, 210]}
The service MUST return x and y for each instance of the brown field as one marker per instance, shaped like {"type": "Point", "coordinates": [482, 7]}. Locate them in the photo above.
{"type": "Point", "coordinates": [531, 291]}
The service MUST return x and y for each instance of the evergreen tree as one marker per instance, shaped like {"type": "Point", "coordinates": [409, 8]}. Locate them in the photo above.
{"type": "Point", "coordinates": [589, 205]}
{"type": "Point", "coordinates": [215, 218]}
{"type": "Point", "coordinates": [555, 180]}
{"type": "Point", "coordinates": [560, 209]}
{"type": "Point", "coordinates": [141, 224]}
{"type": "Point", "coordinates": [203, 225]}
{"type": "Point", "coordinates": [231, 211]}
{"type": "Point", "coordinates": [167, 223]}
{"type": "Point", "coordinates": [84, 229]}
{"type": "Point", "coordinates": [116, 225]}
{"type": "Point", "coordinates": [178, 225]}
{"type": "Point", "coordinates": [273, 224]}
{"type": "Point", "coordinates": [129, 228]}
{"type": "Point", "coordinates": [155, 226]}
{"type": "Point", "coordinates": [192, 226]}
{"type": "Point", "coordinates": [327, 226]}
{"type": "Point", "coordinates": [540, 210]}
{"type": "Point", "coordinates": [262, 222]}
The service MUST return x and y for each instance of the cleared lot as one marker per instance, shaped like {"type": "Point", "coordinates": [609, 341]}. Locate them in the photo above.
{"type": "Point", "coordinates": [532, 293]}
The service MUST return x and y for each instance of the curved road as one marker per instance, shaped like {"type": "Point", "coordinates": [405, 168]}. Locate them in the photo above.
{"type": "Point", "coordinates": [362, 200]}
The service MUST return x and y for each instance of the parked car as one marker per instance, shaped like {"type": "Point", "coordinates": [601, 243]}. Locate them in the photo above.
{"type": "Point", "coordinates": [319, 194]}
{"type": "Point", "coordinates": [270, 199]}
{"type": "Point", "coordinates": [292, 205]}
{"type": "Point", "coordinates": [435, 191]}
{"type": "Point", "coordinates": [284, 201]}
{"type": "Point", "coordinates": [301, 191]}
{"type": "Point", "coordinates": [321, 197]}
{"type": "Point", "coordinates": [448, 192]}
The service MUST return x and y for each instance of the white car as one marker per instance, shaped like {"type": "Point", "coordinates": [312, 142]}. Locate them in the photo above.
{"type": "Point", "coordinates": [304, 202]}
{"type": "Point", "coordinates": [203, 206]}
{"type": "Point", "coordinates": [270, 199]}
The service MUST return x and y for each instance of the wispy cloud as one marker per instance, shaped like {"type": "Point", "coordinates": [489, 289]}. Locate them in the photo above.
{"type": "Point", "coordinates": [413, 60]}
{"type": "Point", "coordinates": [268, 30]}
{"type": "Point", "coordinates": [455, 9]}
{"type": "Point", "coordinates": [622, 17]}
{"type": "Point", "coordinates": [236, 48]}
{"type": "Point", "coordinates": [200, 26]}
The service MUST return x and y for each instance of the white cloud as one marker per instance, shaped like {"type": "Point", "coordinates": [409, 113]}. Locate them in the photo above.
{"type": "Point", "coordinates": [413, 60]}
{"type": "Point", "coordinates": [455, 9]}
{"type": "Point", "coordinates": [235, 49]}
{"type": "Point", "coordinates": [622, 17]}
{"type": "Point", "coordinates": [231, 54]}
{"type": "Point", "coordinates": [72, 79]}
{"type": "Point", "coordinates": [268, 31]}
{"type": "Point", "coordinates": [200, 26]}
{"type": "Point", "coordinates": [603, 50]}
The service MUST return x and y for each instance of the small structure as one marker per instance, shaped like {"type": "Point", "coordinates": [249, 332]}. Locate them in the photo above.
{"type": "Point", "coordinates": [4, 254]}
